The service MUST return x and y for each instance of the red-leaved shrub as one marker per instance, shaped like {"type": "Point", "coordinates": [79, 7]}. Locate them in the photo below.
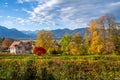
{"type": "Point", "coordinates": [39, 51]}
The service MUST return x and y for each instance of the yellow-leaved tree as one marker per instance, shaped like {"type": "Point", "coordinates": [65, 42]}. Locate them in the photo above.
{"type": "Point", "coordinates": [96, 46]}
{"type": "Point", "coordinates": [45, 40]}
{"type": "Point", "coordinates": [76, 45]}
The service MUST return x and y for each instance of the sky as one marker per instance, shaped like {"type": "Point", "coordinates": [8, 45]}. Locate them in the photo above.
{"type": "Point", "coordinates": [54, 14]}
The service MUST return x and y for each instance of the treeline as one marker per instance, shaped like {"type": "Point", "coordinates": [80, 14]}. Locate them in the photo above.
{"type": "Point", "coordinates": [102, 37]}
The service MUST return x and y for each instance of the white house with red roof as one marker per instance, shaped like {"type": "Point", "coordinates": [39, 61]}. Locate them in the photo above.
{"type": "Point", "coordinates": [18, 47]}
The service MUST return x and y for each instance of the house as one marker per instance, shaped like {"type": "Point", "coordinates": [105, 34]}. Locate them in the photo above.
{"type": "Point", "coordinates": [18, 47]}
{"type": "Point", "coordinates": [118, 26]}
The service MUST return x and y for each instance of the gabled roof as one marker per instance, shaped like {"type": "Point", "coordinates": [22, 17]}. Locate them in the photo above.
{"type": "Point", "coordinates": [14, 43]}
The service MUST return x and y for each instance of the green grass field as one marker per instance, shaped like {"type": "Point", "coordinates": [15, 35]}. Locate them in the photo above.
{"type": "Point", "coordinates": [30, 67]}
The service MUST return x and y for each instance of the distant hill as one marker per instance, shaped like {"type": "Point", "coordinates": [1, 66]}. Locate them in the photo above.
{"type": "Point", "coordinates": [32, 34]}
{"type": "Point", "coordinates": [58, 32]}
{"type": "Point", "coordinates": [16, 34]}
{"type": "Point", "coordinates": [12, 33]}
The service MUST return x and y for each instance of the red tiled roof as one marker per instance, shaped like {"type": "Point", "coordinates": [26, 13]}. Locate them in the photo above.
{"type": "Point", "coordinates": [14, 43]}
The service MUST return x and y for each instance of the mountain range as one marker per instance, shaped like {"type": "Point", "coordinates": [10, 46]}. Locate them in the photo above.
{"type": "Point", "coordinates": [12, 33]}
{"type": "Point", "coordinates": [16, 34]}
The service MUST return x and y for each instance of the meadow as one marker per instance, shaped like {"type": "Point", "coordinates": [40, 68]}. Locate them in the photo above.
{"type": "Point", "coordinates": [59, 67]}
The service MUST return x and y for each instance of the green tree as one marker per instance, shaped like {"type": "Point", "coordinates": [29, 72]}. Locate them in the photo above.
{"type": "Point", "coordinates": [65, 43]}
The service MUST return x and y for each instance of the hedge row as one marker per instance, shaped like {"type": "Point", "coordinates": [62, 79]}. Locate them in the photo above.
{"type": "Point", "coordinates": [51, 69]}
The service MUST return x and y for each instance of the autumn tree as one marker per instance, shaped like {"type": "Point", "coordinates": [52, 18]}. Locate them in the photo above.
{"type": "Point", "coordinates": [6, 43]}
{"type": "Point", "coordinates": [1, 39]}
{"type": "Point", "coordinates": [107, 32]}
{"type": "Point", "coordinates": [45, 40]}
{"type": "Point", "coordinates": [39, 51]}
{"type": "Point", "coordinates": [76, 44]}
{"type": "Point", "coordinates": [117, 42]}
{"type": "Point", "coordinates": [86, 41]}
{"type": "Point", "coordinates": [96, 45]}
{"type": "Point", "coordinates": [65, 43]}
{"type": "Point", "coordinates": [77, 39]}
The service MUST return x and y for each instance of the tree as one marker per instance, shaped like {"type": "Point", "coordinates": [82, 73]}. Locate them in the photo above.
{"type": "Point", "coordinates": [107, 32]}
{"type": "Point", "coordinates": [77, 39]}
{"type": "Point", "coordinates": [65, 42]}
{"type": "Point", "coordinates": [86, 41]}
{"type": "Point", "coordinates": [39, 51]}
{"type": "Point", "coordinates": [76, 44]}
{"type": "Point", "coordinates": [6, 43]}
{"type": "Point", "coordinates": [117, 38]}
{"type": "Point", "coordinates": [118, 44]}
{"type": "Point", "coordinates": [110, 46]}
{"type": "Point", "coordinates": [1, 39]}
{"type": "Point", "coordinates": [96, 45]}
{"type": "Point", "coordinates": [45, 39]}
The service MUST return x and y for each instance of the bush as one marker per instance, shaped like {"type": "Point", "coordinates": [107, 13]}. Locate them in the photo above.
{"type": "Point", "coordinates": [55, 52]}
{"type": "Point", "coordinates": [39, 51]}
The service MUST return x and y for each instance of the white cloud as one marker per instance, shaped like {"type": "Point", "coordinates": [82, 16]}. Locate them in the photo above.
{"type": "Point", "coordinates": [5, 4]}
{"type": "Point", "coordinates": [72, 12]}
{"type": "Point", "coordinates": [8, 16]}
{"type": "Point", "coordinates": [15, 9]}
{"type": "Point", "coordinates": [48, 4]}
{"type": "Point", "coordinates": [18, 23]}
{"type": "Point", "coordinates": [40, 13]}
{"type": "Point", "coordinates": [115, 4]}
{"type": "Point", "coordinates": [22, 1]}
{"type": "Point", "coordinates": [1, 16]}
{"type": "Point", "coordinates": [8, 23]}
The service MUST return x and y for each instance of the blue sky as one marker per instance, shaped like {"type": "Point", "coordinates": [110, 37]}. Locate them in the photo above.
{"type": "Point", "coordinates": [54, 14]}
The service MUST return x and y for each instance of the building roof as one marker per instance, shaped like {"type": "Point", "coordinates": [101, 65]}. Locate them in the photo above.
{"type": "Point", "coordinates": [14, 43]}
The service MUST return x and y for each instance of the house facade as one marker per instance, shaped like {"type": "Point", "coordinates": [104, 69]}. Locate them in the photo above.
{"type": "Point", "coordinates": [18, 47]}
{"type": "Point", "coordinates": [118, 26]}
